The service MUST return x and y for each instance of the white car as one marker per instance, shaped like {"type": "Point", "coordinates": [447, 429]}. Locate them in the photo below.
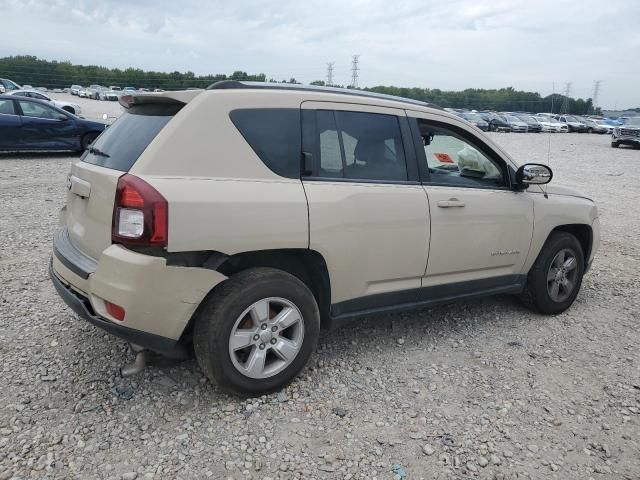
{"type": "Point", "coordinates": [67, 106]}
{"type": "Point", "coordinates": [75, 89]}
{"type": "Point", "coordinates": [546, 125]}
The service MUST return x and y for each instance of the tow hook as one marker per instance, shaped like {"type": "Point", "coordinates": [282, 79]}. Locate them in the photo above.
{"type": "Point", "coordinates": [139, 363]}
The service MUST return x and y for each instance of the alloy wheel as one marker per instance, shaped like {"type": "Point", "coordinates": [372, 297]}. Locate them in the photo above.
{"type": "Point", "coordinates": [266, 338]}
{"type": "Point", "coordinates": [562, 275]}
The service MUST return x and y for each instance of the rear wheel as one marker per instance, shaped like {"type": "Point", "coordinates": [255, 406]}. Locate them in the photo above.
{"type": "Point", "coordinates": [256, 331]}
{"type": "Point", "coordinates": [589, 130]}
{"type": "Point", "coordinates": [556, 276]}
{"type": "Point", "coordinates": [615, 144]}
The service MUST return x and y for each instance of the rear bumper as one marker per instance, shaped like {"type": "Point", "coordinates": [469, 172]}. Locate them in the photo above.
{"type": "Point", "coordinates": [82, 307]}
{"type": "Point", "coordinates": [159, 300]}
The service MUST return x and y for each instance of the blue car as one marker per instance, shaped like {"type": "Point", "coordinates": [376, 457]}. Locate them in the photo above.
{"type": "Point", "coordinates": [30, 124]}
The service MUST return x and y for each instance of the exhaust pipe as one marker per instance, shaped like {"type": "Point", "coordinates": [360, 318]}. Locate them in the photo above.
{"type": "Point", "coordinates": [138, 365]}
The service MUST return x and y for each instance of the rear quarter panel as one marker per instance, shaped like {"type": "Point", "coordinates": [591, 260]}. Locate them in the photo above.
{"type": "Point", "coordinates": [221, 195]}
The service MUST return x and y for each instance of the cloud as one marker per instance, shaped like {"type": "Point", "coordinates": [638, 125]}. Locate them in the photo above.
{"type": "Point", "coordinates": [457, 44]}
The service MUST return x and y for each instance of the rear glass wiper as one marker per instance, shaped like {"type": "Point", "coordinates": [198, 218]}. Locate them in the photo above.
{"type": "Point", "coordinates": [95, 151]}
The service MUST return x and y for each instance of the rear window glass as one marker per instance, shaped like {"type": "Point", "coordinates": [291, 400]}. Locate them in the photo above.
{"type": "Point", "coordinates": [274, 134]}
{"type": "Point", "coordinates": [120, 145]}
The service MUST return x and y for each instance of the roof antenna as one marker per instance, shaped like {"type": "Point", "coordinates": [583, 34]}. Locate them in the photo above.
{"type": "Point", "coordinates": [553, 94]}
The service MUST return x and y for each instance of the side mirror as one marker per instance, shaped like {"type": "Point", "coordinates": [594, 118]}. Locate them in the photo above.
{"type": "Point", "coordinates": [62, 117]}
{"type": "Point", "coordinates": [533, 174]}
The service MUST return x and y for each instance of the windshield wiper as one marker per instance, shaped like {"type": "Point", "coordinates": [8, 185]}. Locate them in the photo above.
{"type": "Point", "coordinates": [95, 151]}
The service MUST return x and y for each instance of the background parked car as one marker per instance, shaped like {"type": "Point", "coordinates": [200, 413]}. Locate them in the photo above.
{"type": "Point", "coordinates": [573, 124]}
{"type": "Point", "coordinates": [67, 106]}
{"type": "Point", "coordinates": [7, 85]}
{"type": "Point", "coordinates": [532, 124]}
{"type": "Point", "coordinates": [75, 89]}
{"type": "Point", "coordinates": [515, 123]}
{"type": "Point", "coordinates": [93, 91]}
{"type": "Point", "coordinates": [108, 94]}
{"type": "Point", "coordinates": [475, 119]}
{"type": "Point", "coordinates": [496, 123]}
{"type": "Point", "coordinates": [82, 93]}
{"type": "Point", "coordinates": [31, 124]}
{"type": "Point", "coordinates": [594, 127]}
{"type": "Point", "coordinates": [547, 124]}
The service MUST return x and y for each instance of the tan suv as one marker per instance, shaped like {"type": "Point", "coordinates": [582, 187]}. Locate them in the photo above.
{"type": "Point", "coordinates": [243, 218]}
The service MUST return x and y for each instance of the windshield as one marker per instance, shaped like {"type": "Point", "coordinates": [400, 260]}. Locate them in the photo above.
{"type": "Point", "coordinates": [634, 121]}
{"type": "Point", "coordinates": [571, 119]}
{"type": "Point", "coordinates": [511, 118]}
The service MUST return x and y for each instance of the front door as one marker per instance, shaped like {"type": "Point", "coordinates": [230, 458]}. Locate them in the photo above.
{"type": "Point", "coordinates": [45, 127]}
{"type": "Point", "coordinates": [480, 228]}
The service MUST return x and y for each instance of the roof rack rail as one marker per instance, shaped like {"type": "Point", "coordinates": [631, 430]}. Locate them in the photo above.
{"type": "Point", "coordinates": [235, 84]}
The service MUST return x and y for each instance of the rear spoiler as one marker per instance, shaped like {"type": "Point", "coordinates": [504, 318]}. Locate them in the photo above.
{"type": "Point", "coordinates": [178, 97]}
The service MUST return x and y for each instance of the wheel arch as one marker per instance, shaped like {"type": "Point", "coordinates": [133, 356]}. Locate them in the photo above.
{"type": "Point", "coordinates": [309, 266]}
{"type": "Point", "coordinates": [582, 232]}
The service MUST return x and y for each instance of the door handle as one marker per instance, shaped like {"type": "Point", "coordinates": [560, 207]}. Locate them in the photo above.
{"type": "Point", "coordinates": [451, 203]}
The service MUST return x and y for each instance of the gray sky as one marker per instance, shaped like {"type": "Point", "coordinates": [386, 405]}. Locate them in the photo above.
{"type": "Point", "coordinates": [451, 45]}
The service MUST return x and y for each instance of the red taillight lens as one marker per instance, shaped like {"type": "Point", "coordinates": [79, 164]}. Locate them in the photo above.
{"type": "Point", "coordinates": [140, 214]}
{"type": "Point", "coordinates": [116, 311]}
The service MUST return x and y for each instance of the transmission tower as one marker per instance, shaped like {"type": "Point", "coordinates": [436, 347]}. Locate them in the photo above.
{"type": "Point", "coordinates": [565, 102]}
{"type": "Point", "coordinates": [596, 92]}
{"type": "Point", "coordinates": [330, 73]}
{"type": "Point", "coordinates": [354, 71]}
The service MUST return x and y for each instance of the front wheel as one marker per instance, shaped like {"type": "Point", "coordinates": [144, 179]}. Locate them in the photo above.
{"type": "Point", "coordinates": [615, 144]}
{"type": "Point", "coordinates": [255, 332]}
{"type": "Point", "coordinates": [556, 276]}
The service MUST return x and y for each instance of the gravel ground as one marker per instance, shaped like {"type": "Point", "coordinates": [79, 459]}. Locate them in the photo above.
{"type": "Point", "coordinates": [484, 389]}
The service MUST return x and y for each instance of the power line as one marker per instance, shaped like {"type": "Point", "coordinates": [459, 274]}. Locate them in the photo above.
{"type": "Point", "coordinates": [330, 73]}
{"type": "Point", "coordinates": [354, 71]}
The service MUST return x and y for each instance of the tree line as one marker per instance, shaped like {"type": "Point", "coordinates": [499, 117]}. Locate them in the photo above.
{"type": "Point", "coordinates": [53, 74]}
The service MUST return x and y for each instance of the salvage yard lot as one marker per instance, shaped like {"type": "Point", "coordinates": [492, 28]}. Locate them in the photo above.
{"type": "Point", "coordinates": [484, 389]}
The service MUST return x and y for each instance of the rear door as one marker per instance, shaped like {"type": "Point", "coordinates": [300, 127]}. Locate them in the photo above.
{"type": "Point", "coordinates": [368, 214]}
{"type": "Point", "coordinates": [9, 126]}
{"type": "Point", "coordinates": [93, 179]}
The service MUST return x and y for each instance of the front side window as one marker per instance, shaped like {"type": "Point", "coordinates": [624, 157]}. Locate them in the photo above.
{"type": "Point", "coordinates": [360, 146]}
{"type": "Point", "coordinates": [454, 160]}
{"type": "Point", "coordinates": [32, 109]}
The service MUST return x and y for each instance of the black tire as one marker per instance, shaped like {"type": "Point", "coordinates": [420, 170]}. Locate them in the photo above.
{"type": "Point", "coordinates": [590, 130]}
{"type": "Point", "coordinates": [536, 294]}
{"type": "Point", "coordinates": [218, 313]}
{"type": "Point", "coordinates": [615, 144]}
{"type": "Point", "coordinates": [492, 127]}
{"type": "Point", "coordinates": [87, 140]}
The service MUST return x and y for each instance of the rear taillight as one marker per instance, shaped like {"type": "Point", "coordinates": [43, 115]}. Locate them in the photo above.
{"type": "Point", "coordinates": [140, 214]}
{"type": "Point", "coordinates": [116, 311]}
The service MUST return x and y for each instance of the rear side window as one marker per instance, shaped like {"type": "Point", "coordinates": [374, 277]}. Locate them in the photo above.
{"type": "Point", "coordinates": [274, 134]}
{"type": "Point", "coordinates": [6, 107]}
{"type": "Point", "coordinates": [120, 145]}
{"type": "Point", "coordinates": [360, 146]}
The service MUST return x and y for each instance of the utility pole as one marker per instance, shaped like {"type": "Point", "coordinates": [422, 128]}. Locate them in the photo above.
{"type": "Point", "coordinates": [596, 92]}
{"type": "Point", "coordinates": [330, 73]}
{"type": "Point", "coordinates": [354, 71]}
{"type": "Point", "coordinates": [565, 103]}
